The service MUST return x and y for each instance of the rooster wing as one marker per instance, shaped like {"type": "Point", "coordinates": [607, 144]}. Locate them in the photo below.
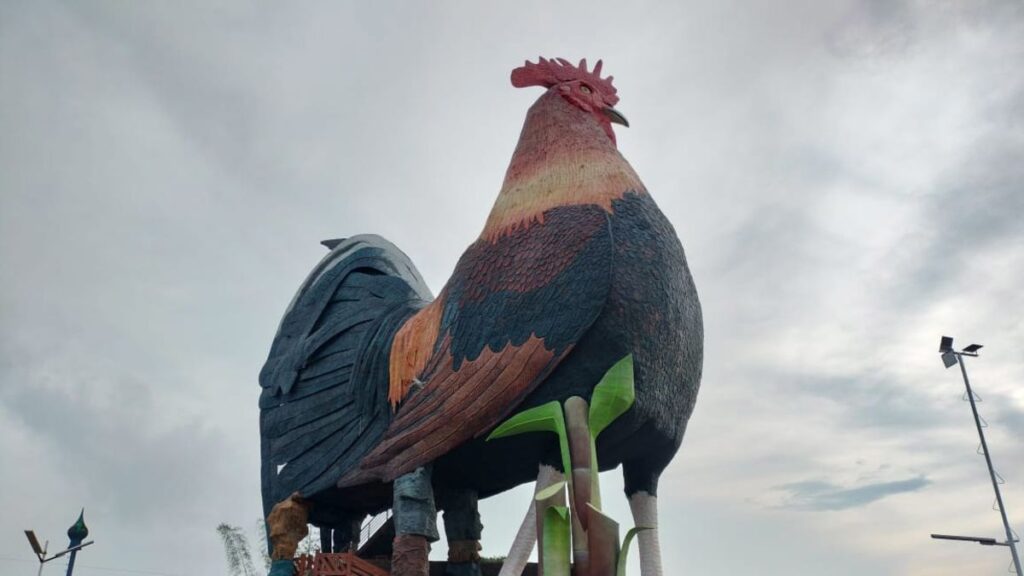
{"type": "Point", "coordinates": [512, 310]}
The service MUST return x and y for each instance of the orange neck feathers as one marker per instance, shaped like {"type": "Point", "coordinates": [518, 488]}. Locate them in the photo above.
{"type": "Point", "coordinates": [563, 158]}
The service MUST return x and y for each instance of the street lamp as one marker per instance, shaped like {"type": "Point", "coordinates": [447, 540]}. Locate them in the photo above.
{"type": "Point", "coordinates": [949, 358]}
{"type": "Point", "coordinates": [980, 540]}
{"type": "Point", "coordinates": [76, 534]}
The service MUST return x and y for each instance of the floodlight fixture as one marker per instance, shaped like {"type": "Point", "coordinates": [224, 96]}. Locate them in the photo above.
{"type": "Point", "coordinates": [34, 542]}
{"type": "Point", "coordinates": [946, 344]}
{"type": "Point", "coordinates": [950, 356]}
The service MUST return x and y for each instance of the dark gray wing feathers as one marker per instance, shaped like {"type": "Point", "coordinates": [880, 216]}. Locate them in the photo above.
{"type": "Point", "coordinates": [324, 401]}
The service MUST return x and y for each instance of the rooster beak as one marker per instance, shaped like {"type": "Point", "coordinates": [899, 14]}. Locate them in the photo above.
{"type": "Point", "coordinates": [615, 116]}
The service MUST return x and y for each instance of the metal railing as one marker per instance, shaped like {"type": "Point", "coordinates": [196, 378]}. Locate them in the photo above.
{"type": "Point", "coordinates": [371, 526]}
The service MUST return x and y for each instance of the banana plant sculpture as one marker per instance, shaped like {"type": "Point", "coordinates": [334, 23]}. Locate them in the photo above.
{"type": "Point", "coordinates": [581, 527]}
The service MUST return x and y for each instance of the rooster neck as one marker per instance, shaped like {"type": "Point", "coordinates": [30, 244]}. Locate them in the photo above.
{"type": "Point", "coordinates": [563, 158]}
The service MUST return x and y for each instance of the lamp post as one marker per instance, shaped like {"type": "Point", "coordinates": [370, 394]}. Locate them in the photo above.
{"type": "Point", "coordinates": [76, 534]}
{"type": "Point", "coordinates": [949, 358]}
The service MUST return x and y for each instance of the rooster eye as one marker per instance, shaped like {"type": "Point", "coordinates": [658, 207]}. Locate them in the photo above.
{"type": "Point", "coordinates": [584, 88]}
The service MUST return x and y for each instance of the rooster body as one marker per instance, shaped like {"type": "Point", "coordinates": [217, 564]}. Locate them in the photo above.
{"type": "Point", "coordinates": [369, 378]}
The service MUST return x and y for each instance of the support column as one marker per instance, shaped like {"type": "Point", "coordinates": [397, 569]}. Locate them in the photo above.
{"type": "Point", "coordinates": [415, 523]}
{"type": "Point", "coordinates": [463, 528]}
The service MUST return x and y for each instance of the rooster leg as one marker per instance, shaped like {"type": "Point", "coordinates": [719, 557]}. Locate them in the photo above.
{"type": "Point", "coordinates": [522, 546]}
{"type": "Point", "coordinates": [462, 527]}
{"type": "Point", "coordinates": [415, 523]}
{"type": "Point", "coordinates": [645, 514]}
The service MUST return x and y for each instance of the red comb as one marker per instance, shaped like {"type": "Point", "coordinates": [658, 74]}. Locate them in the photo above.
{"type": "Point", "coordinates": [547, 73]}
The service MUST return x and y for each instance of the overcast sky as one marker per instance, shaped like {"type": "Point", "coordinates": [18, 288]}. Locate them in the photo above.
{"type": "Point", "coordinates": [847, 179]}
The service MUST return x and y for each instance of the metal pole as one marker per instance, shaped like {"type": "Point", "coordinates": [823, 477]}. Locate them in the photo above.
{"type": "Point", "coordinates": [41, 561]}
{"type": "Point", "coordinates": [991, 471]}
{"type": "Point", "coordinates": [71, 562]}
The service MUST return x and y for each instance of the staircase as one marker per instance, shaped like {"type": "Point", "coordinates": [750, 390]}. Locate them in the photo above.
{"type": "Point", "coordinates": [376, 536]}
{"type": "Point", "coordinates": [348, 564]}
{"type": "Point", "coordinates": [373, 555]}
{"type": "Point", "coordinates": [340, 564]}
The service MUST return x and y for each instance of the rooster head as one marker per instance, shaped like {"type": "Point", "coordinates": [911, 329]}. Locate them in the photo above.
{"type": "Point", "coordinates": [582, 88]}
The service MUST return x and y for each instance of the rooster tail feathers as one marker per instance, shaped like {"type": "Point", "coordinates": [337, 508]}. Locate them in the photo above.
{"type": "Point", "coordinates": [324, 403]}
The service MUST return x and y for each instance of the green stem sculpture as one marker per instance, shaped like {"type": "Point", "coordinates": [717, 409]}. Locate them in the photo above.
{"type": "Point", "coordinates": [595, 540]}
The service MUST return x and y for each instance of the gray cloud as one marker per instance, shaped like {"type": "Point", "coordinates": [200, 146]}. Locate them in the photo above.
{"type": "Point", "coordinates": [1014, 420]}
{"type": "Point", "coordinates": [110, 444]}
{"type": "Point", "coordinates": [823, 495]}
{"type": "Point", "coordinates": [868, 401]}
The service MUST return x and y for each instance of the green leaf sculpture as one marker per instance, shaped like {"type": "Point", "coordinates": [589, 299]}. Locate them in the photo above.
{"type": "Point", "coordinates": [550, 491]}
{"type": "Point", "coordinates": [624, 552]}
{"type": "Point", "coordinates": [544, 418]}
{"type": "Point", "coordinates": [613, 395]}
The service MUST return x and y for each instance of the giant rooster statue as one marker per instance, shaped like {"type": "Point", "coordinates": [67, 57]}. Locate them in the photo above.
{"type": "Point", "coordinates": [373, 389]}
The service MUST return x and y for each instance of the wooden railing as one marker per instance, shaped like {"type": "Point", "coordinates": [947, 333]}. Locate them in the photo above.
{"type": "Point", "coordinates": [343, 564]}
